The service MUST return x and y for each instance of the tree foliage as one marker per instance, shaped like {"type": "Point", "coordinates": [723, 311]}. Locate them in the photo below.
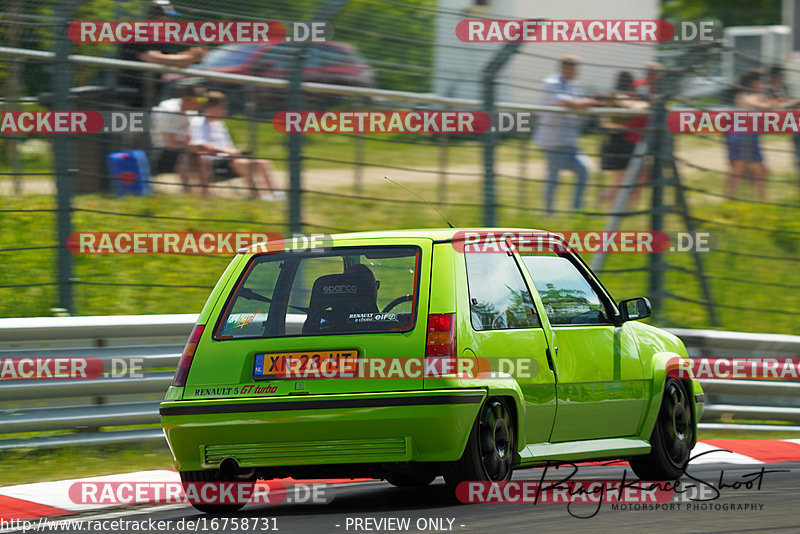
{"type": "Point", "coordinates": [729, 12]}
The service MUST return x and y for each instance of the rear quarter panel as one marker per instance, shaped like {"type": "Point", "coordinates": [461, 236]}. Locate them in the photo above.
{"type": "Point", "coordinates": [221, 288]}
{"type": "Point", "coordinates": [449, 294]}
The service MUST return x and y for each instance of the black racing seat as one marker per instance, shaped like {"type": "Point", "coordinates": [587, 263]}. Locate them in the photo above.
{"type": "Point", "coordinates": [336, 299]}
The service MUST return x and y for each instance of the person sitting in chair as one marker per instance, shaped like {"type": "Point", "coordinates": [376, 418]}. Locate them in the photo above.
{"type": "Point", "coordinates": [211, 138]}
{"type": "Point", "coordinates": [169, 132]}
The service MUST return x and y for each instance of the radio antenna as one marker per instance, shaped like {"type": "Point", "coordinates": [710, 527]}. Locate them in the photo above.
{"type": "Point", "coordinates": [431, 206]}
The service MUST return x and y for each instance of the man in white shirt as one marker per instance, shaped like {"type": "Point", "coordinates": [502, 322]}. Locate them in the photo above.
{"type": "Point", "coordinates": [170, 134]}
{"type": "Point", "coordinates": [558, 133]}
{"type": "Point", "coordinates": [211, 139]}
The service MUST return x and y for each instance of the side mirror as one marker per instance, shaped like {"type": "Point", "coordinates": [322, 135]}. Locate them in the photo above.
{"type": "Point", "coordinates": [635, 308]}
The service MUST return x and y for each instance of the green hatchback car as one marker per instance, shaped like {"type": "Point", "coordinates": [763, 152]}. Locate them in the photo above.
{"type": "Point", "coordinates": [405, 355]}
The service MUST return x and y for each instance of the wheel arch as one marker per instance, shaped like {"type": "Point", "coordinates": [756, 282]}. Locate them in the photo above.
{"type": "Point", "coordinates": [659, 365]}
{"type": "Point", "coordinates": [512, 393]}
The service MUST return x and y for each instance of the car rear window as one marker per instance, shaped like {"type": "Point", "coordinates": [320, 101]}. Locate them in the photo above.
{"type": "Point", "coordinates": [342, 291]}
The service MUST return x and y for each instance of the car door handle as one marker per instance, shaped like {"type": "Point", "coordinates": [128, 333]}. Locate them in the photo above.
{"type": "Point", "coordinates": [549, 358]}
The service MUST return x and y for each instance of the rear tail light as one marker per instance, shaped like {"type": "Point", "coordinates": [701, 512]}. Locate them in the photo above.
{"type": "Point", "coordinates": [441, 339]}
{"type": "Point", "coordinates": [186, 356]}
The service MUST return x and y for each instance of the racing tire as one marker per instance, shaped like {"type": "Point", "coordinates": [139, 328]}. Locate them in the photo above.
{"type": "Point", "coordinates": [672, 438]}
{"type": "Point", "coordinates": [209, 475]}
{"type": "Point", "coordinates": [406, 480]}
{"type": "Point", "coordinates": [491, 448]}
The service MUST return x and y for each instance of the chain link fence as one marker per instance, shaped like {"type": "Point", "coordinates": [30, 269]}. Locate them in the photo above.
{"type": "Point", "coordinates": [384, 55]}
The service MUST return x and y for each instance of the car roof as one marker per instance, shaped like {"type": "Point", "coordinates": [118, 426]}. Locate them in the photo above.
{"type": "Point", "coordinates": [435, 234]}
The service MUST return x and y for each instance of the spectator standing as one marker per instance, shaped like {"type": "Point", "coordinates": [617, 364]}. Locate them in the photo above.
{"type": "Point", "coordinates": [625, 134]}
{"type": "Point", "coordinates": [744, 150]}
{"type": "Point", "coordinates": [648, 88]}
{"type": "Point", "coordinates": [776, 88]}
{"type": "Point", "coordinates": [211, 139]}
{"type": "Point", "coordinates": [779, 96]}
{"type": "Point", "coordinates": [160, 53]}
{"type": "Point", "coordinates": [557, 133]}
{"type": "Point", "coordinates": [170, 135]}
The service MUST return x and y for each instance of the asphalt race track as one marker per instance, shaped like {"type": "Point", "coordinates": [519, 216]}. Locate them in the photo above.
{"type": "Point", "coordinates": [773, 508]}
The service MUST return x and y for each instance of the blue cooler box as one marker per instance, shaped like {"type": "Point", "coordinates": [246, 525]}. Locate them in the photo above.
{"type": "Point", "coordinates": [130, 173]}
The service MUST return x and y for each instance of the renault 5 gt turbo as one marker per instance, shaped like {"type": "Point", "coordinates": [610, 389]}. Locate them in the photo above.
{"type": "Point", "coordinates": [405, 355]}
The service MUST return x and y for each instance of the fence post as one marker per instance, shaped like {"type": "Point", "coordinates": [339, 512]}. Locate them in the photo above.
{"type": "Point", "coordinates": [522, 184]}
{"type": "Point", "coordinates": [252, 130]}
{"type": "Point", "coordinates": [358, 175]}
{"type": "Point", "coordinates": [657, 262]}
{"type": "Point", "coordinates": [12, 92]}
{"type": "Point", "coordinates": [63, 150]}
{"type": "Point", "coordinates": [683, 207]}
{"type": "Point", "coordinates": [624, 192]}
{"type": "Point", "coordinates": [294, 102]}
{"type": "Point", "coordinates": [441, 190]}
{"type": "Point", "coordinates": [490, 137]}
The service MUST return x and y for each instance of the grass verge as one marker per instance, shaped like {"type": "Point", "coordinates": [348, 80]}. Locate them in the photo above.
{"type": "Point", "coordinates": [77, 462]}
{"type": "Point", "coordinates": [752, 266]}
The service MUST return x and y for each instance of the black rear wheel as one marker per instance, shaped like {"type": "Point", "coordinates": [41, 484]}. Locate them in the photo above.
{"type": "Point", "coordinates": [209, 475]}
{"type": "Point", "coordinates": [410, 480]}
{"type": "Point", "coordinates": [489, 454]}
{"type": "Point", "coordinates": [672, 437]}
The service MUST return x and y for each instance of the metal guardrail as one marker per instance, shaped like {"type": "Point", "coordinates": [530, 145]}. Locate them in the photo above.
{"type": "Point", "coordinates": [311, 87]}
{"type": "Point", "coordinates": [82, 412]}
{"type": "Point", "coordinates": [97, 411]}
{"type": "Point", "coordinates": [730, 403]}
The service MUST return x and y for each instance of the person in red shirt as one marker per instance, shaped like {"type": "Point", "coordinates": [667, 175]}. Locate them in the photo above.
{"type": "Point", "coordinates": [648, 87]}
{"type": "Point", "coordinates": [625, 134]}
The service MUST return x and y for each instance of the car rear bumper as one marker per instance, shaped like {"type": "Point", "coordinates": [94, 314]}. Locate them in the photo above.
{"type": "Point", "coordinates": [419, 426]}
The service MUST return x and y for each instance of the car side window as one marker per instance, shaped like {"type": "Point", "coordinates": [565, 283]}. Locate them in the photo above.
{"type": "Point", "coordinates": [567, 296]}
{"type": "Point", "coordinates": [498, 296]}
{"type": "Point", "coordinates": [247, 314]}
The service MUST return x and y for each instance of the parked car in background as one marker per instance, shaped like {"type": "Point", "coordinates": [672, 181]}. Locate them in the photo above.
{"type": "Point", "coordinates": [329, 62]}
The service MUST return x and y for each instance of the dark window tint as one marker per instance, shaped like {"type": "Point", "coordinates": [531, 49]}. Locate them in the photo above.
{"type": "Point", "coordinates": [348, 290]}
{"type": "Point", "coordinates": [566, 294]}
{"type": "Point", "coordinates": [499, 298]}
